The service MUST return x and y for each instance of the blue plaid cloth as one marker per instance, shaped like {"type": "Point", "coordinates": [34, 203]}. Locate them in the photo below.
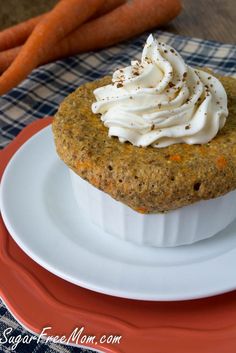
{"type": "Point", "coordinates": [46, 87]}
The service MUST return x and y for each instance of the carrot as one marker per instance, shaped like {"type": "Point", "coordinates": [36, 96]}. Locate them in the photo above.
{"type": "Point", "coordinates": [7, 57]}
{"type": "Point", "coordinates": [108, 6]}
{"type": "Point", "coordinates": [126, 21]}
{"type": "Point", "coordinates": [87, 37]}
{"type": "Point", "coordinates": [122, 23]}
{"type": "Point", "coordinates": [12, 38]}
{"type": "Point", "coordinates": [175, 158]}
{"type": "Point", "coordinates": [221, 162]}
{"type": "Point", "coordinates": [65, 17]}
{"type": "Point", "coordinates": [16, 35]}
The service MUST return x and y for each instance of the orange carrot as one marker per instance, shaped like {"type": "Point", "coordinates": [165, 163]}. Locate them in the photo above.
{"type": "Point", "coordinates": [221, 162]}
{"type": "Point", "coordinates": [108, 6]}
{"type": "Point", "coordinates": [7, 57]}
{"type": "Point", "coordinates": [175, 158]}
{"type": "Point", "coordinates": [126, 21]}
{"type": "Point", "coordinates": [16, 35]}
{"type": "Point", "coordinates": [122, 23]}
{"type": "Point", "coordinates": [65, 17]}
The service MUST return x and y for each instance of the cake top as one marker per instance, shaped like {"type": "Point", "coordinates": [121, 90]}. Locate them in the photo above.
{"type": "Point", "coordinates": [147, 179]}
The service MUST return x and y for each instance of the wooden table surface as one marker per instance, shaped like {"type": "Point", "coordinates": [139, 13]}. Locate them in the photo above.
{"type": "Point", "coordinates": [208, 19]}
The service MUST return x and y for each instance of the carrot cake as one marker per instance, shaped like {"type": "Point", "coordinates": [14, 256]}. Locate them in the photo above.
{"type": "Point", "coordinates": [157, 135]}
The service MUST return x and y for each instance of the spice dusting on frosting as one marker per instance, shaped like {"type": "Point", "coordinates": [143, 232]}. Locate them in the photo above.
{"type": "Point", "coordinates": [161, 101]}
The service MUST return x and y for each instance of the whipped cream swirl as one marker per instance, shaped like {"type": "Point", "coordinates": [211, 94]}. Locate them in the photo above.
{"type": "Point", "coordinates": [161, 101]}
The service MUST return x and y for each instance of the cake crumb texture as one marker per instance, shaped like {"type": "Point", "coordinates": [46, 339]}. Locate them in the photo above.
{"type": "Point", "coordinates": [149, 179]}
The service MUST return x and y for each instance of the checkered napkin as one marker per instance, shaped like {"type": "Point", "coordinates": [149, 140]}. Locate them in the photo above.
{"type": "Point", "coordinates": [46, 87]}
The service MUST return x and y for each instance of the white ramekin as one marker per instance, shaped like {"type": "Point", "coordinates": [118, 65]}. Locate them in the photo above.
{"type": "Point", "coordinates": [185, 225]}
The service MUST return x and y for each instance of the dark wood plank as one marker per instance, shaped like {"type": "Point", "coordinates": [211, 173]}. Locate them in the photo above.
{"type": "Point", "coordinates": [207, 19]}
{"type": "Point", "coordinates": [14, 11]}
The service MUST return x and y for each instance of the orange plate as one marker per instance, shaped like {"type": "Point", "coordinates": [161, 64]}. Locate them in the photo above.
{"type": "Point", "coordinates": [38, 299]}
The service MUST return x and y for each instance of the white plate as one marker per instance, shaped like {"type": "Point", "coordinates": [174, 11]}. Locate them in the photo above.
{"type": "Point", "coordinates": [42, 216]}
